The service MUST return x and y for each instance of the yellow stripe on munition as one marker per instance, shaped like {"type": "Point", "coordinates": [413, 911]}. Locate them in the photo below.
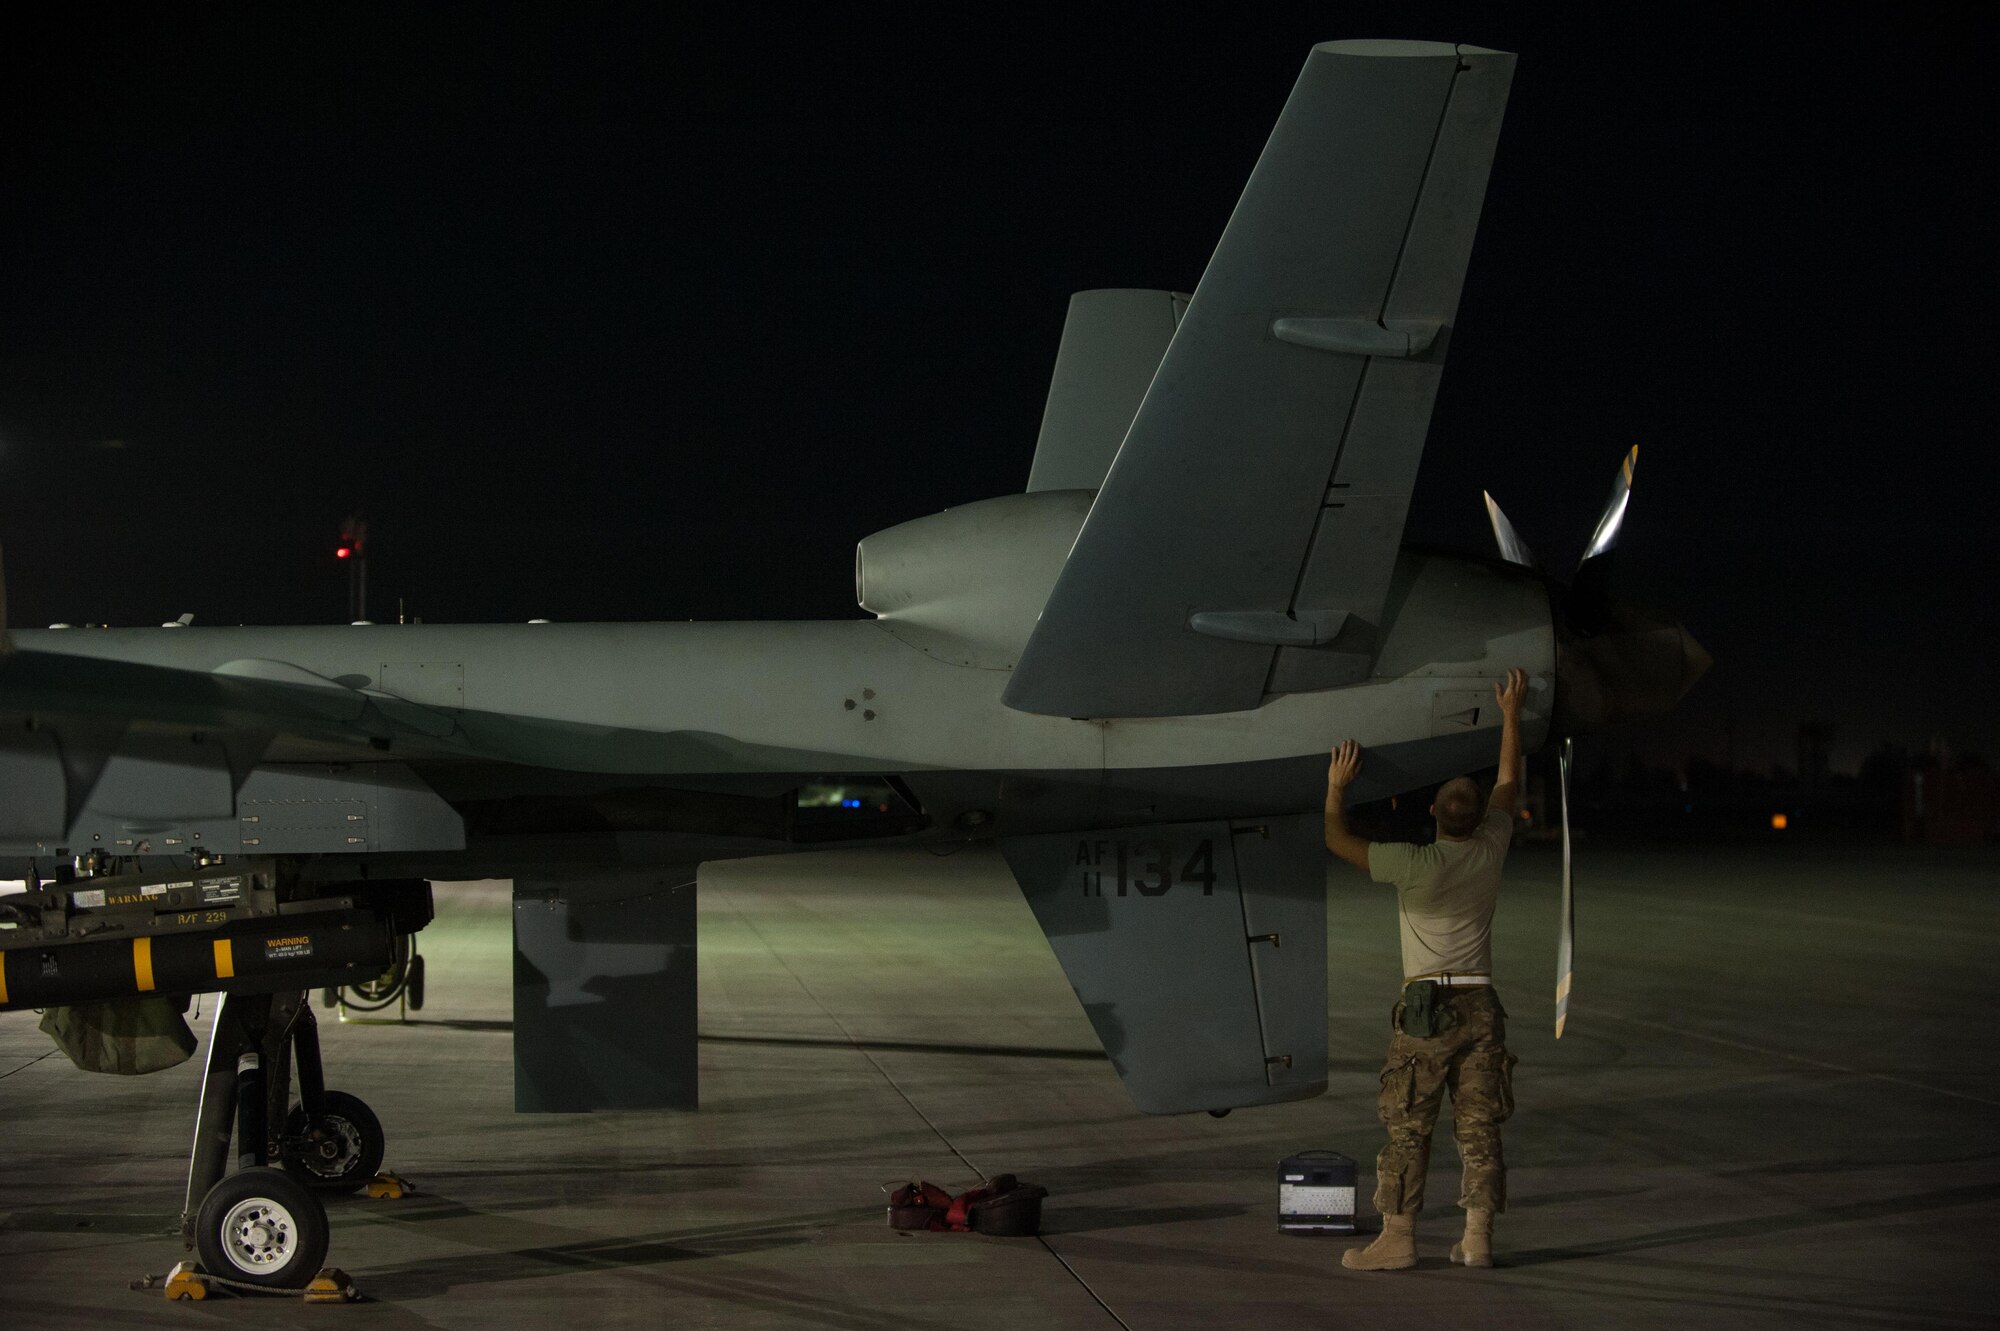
{"type": "Point", "coordinates": [225, 960]}
{"type": "Point", "coordinates": [142, 963]}
{"type": "Point", "coordinates": [3, 979]}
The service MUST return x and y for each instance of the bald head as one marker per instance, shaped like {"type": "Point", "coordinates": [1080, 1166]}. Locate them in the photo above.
{"type": "Point", "coordinates": [1457, 808]}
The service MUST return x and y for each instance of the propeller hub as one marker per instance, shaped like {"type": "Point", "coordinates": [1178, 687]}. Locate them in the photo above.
{"type": "Point", "coordinates": [1636, 665]}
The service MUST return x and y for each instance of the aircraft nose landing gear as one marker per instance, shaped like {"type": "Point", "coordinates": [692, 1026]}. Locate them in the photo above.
{"type": "Point", "coordinates": [264, 1225]}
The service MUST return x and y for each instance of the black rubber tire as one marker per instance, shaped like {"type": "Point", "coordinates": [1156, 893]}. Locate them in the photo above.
{"type": "Point", "coordinates": [263, 1227]}
{"type": "Point", "coordinates": [413, 984]}
{"type": "Point", "coordinates": [1218, 1113]}
{"type": "Point", "coordinates": [354, 1131]}
{"type": "Point", "coordinates": [329, 998]}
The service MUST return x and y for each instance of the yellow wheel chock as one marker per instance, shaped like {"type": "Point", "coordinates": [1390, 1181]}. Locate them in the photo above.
{"type": "Point", "coordinates": [331, 1285]}
{"type": "Point", "coordinates": [390, 1187]}
{"type": "Point", "coordinates": [186, 1281]}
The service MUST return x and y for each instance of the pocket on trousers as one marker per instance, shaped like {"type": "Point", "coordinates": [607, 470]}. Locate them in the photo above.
{"type": "Point", "coordinates": [1485, 1090]}
{"type": "Point", "coordinates": [1399, 1082]}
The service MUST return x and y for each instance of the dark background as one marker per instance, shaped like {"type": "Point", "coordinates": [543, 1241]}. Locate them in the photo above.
{"type": "Point", "coordinates": [614, 314]}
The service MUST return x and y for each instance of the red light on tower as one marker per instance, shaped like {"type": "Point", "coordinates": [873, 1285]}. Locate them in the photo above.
{"type": "Point", "coordinates": [351, 549]}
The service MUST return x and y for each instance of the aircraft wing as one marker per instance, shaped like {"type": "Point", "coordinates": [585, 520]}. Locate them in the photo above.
{"type": "Point", "coordinates": [1243, 540]}
{"type": "Point", "coordinates": [175, 745]}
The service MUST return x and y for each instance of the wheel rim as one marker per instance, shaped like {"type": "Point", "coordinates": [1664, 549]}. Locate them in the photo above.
{"type": "Point", "coordinates": [259, 1236]}
{"type": "Point", "coordinates": [334, 1149]}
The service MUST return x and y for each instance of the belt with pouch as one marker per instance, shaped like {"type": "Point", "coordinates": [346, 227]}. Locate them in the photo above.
{"type": "Point", "coordinates": [1421, 1013]}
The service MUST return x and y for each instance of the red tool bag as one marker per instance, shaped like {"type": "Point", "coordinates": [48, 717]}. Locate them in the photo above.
{"type": "Point", "coordinates": [918, 1206]}
{"type": "Point", "coordinates": [1005, 1206]}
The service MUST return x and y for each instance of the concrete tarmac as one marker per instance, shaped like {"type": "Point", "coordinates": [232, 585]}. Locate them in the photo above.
{"type": "Point", "coordinates": [1776, 1106]}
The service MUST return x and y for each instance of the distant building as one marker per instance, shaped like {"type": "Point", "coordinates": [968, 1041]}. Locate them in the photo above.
{"type": "Point", "coordinates": [1951, 805]}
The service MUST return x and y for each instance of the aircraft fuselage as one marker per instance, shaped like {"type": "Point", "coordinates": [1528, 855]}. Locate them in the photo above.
{"type": "Point", "coordinates": [749, 710]}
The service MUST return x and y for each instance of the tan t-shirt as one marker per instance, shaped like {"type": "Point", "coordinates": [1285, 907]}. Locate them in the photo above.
{"type": "Point", "coordinates": [1445, 893]}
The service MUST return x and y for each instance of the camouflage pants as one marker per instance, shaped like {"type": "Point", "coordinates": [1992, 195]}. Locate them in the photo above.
{"type": "Point", "coordinates": [1468, 1056]}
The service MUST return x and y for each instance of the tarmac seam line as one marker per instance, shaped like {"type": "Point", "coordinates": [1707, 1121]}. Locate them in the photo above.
{"type": "Point", "coordinates": [903, 1095]}
{"type": "Point", "coordinates": [30, 1063]}
{"type": "Point", "coordinates": [1085, 1284]}
{"type": "Point", "coordinates": [1796, 1058]}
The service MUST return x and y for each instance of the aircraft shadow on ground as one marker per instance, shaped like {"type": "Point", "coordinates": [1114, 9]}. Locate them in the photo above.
{"type": "Point", "coordinates": [463, 1023]}
{"type": "Point", "coordinates": [517, 1249]}
{"type": "Point", "coordinates": [1873, 1211]}
{"type": "Point", "coordinates": [1566, 1198]}
{"type": "Point", "coordinates": [501, 1024]}
{"type": "Point", "coordinates": [1846, 1165]}
{"type": "Point", "coordinates": [1355, 1065]}
{"type": "Point", "coordinates": [155, 1225]}
{"type": "Point", "coordinates": [1088, 1219]}
{"type": "Point", "coordinates": [909, 1047]}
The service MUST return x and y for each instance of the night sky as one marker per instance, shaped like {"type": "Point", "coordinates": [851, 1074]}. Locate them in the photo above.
{"type": "Point", "coordinates": [617, 314]}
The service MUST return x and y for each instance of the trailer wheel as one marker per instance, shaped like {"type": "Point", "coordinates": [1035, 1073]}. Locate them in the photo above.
{"type": "Point", "coordinates": [263, 1227]}
{"type": "Point", "coordinates": [413, 984]}
{"type": "Point", "coordinates": [342, 1152]}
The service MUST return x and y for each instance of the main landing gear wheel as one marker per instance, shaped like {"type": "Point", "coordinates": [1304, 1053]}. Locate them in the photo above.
{"type": "Point", "coordinates": [263, 1227]}
{"type": "Point", "coordinates": [379, 991]}
{"type": "Point", "coordinates": [340, 1153]}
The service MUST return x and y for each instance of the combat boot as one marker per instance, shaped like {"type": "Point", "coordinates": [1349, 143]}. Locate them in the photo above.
{"type": "Point", "coordinates": [1476, 1248]}
{"type": "Point", "coordinates": [1394, 1249]}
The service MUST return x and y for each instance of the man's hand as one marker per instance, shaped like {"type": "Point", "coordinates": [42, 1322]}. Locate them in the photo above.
{"type": "Point", "coordinates": [1346, 765]}
{"type": "Point", "coordinates": [1342, 770]}
{"type": "Point", "coordinates": [1511, 692]}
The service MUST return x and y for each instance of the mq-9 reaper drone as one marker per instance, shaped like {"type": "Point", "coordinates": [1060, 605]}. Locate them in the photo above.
{"type": "Point", "coordinates": [1127, 677]}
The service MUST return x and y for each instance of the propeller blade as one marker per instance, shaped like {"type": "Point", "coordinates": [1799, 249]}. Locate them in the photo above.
{"type": "Point", "coordinates": [1512, 548]}
{"type": "Point", "coordinates": [1613, 517]}
{"type": "Point", "coordinates": [1566, 926]}
{"type": "Point", "coordinates": [1589, 606]}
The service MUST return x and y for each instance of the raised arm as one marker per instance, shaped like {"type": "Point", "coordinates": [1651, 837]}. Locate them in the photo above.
{"type": "Point", "coordinates": [1343, 769]}
{"type": "Point", "coordinates": [1509, 693]}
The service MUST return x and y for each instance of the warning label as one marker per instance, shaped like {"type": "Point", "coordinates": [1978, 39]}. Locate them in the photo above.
{"type": "Point", "coordinates": [91, 900]}
{"type": "Point", "coordinates": [221, 891]}
{"type": "Point", "coordinates": [288, 948]}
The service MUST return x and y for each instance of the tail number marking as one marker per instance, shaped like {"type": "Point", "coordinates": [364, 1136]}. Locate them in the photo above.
{"type": "Point", "coordinates": [1144, 865]}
